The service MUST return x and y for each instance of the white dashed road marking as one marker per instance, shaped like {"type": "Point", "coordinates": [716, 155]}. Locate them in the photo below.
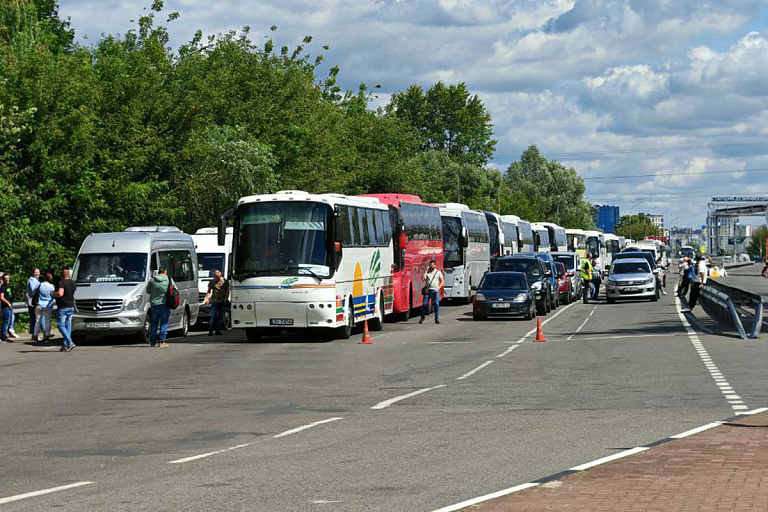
{"type": "Point", "coordinates": [469, 374]}
{"type": "Point", "coordinates": [569, 338]}
{"type": "Point", "coordinates": [734, 400]}
{"type": "Point", "coordinates": [18, 497]}
{"type": "Point", "coordinates": [305, 427]}
{"type": "Point", "coordinates": [387, 403]}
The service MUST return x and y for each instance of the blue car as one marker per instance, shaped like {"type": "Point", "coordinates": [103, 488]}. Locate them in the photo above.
{"type": "Point", "coordinates": [504, 294]}
{"type": "Point", "coordinates": [551, 274]}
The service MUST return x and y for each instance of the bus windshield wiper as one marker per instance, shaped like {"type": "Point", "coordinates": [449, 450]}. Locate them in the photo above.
{"type": "Point", "coordinates": [308, 270]}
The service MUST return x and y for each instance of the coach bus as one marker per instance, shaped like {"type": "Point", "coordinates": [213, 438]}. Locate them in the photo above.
{"type": "Point", "coordinates": [596, 247]}
{"type": "Point", "coordinates": [557, 238]}
{"type": "Point", "coordinates": [417, 239]}
{"type": "Point", "coordinates": [541, 237]}
{"type": "Point", "coordinates": [525, 242]}
{"type": "Point", "coordinates": [502, 235]}
{"type": "Point", "coordinates": [577, 241]}
{"type": "Point", "coordinates": [302, 260]}
{"type": "Point", "coordinates": [466, 249]}
{"type": "Point", "coordinates": [612, 246]}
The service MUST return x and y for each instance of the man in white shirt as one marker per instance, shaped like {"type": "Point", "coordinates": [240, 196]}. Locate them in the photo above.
{"type": "Point", "coordinates": [433, 281]}
{"type": "Point", "coordinates": [699, 280]}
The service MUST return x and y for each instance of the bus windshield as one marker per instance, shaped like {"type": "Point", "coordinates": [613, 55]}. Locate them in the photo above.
{"type": "Point", "coordinates": [282, 238]}
{"type": "Point", "coordinates": [593, 246]}
{"type": "Point", "coordinates": [208, 263]}
{"type": "Point", "coordinates": [122, 267]}
{"type": "Point", "coordinates": [452, 253]}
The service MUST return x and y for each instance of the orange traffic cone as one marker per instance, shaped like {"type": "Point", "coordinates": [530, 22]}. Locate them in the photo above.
{"type": "Point", "coordinates": [366, 335]}
{"type": "Point", "coordinates": [539, 332]}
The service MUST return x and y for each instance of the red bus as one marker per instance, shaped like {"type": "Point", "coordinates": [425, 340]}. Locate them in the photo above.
{"type": "Point", "coordinates": [417, 239]}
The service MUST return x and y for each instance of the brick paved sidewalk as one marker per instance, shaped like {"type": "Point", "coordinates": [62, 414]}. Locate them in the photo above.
{"type": "Point", "coordinates": [724, 468]}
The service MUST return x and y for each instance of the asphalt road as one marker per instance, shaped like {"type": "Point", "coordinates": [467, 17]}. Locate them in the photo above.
{"type": "Point", "coordinates": [293, 425]}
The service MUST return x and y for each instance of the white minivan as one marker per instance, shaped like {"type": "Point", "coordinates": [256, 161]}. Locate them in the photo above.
{"type": "Point", "coordinates": [112, 271]}
{"type": "Point", "coordinates": [211, 257]}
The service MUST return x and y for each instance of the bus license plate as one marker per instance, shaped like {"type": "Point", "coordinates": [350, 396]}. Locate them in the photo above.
{"type": "Point", "coordinates": [281, 321]}
{"type": "Point", "coordinates": [97, 325]}
{"type": "Point", "coordinates": [502, 305]}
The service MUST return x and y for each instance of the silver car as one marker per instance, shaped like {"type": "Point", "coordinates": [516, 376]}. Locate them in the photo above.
{"type": "Point", "coordinates": [631, 278]}
{"type": "Point", "coordinates": [572, 268]}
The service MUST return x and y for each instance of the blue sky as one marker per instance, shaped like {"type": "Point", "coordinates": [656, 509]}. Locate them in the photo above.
{"type": "Point", "coordinates": [613, 88]}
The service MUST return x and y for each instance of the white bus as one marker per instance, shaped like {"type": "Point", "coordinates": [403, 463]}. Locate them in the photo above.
{"type": "Point", "coordinates": [557, 238]}
{"type": "Point", "coordinates": [525, 240]}
{"type": "Point", "coordinates": [596, 247]}
{"type": "Point", "coordinates": [503, 236]}
{"type": "Point", "coordinates": [466, 249]}
{"type": "Point", "coordinates": [612, 246]}
{"type": "Point", "coordinates": [210, 257]}
{"type": "Point", "coordinates": [309, 261]}
{"type": "Point", "coordinates": [541, 237]}
{"type": "Point", "coordinates": [577, 241]}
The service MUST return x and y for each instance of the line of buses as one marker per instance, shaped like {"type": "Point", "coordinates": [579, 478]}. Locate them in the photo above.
{"type": "Point", "coordinates": [330, 261]}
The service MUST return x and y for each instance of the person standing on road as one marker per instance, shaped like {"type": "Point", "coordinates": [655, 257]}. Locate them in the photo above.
{"type": "Point", "coordinates": [6, 304]}
{"type": "Point", "coordinates": [662, 276]}
{"type": "Point", "coordinates": [586, 277]}
{"type": "Point", "coordinates": [33, 283]}
{"type": "Point", "coordinates": [433, 282]}
{"type": "Point", "coordinates": [699, 280]}
{"type": "Point", "coordinates": [159, 314]}
{"type": "Point", "coordinates": [596, 279]}
{"type": "Point", "coordinates": [217, 297]}
{"type": "Point", "coordinates": [44, 308]}
{"type": "Point", "coordinates": [65, 302]}
{"type": "Point", "coordinates": [685, 281]}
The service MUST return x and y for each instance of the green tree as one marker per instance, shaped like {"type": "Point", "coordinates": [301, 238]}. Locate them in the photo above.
{"type": "Point", "coordinates": [538, 189]}
{"type": "Point", "coordinates": [636, 227]}
{"type": "Point", "coordinates": [448, 118]}
{"type": "Point", "coordinates": [757, 243]}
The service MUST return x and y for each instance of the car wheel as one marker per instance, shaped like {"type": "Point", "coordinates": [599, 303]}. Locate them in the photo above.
{"type": "Point", "coordinates": [610, 300]}
{"type": "Point", "coordinates": [184, 330]}
{"type": "Point", "coordinates": [377, 323]}
{"type": "Point", "coordinates": [655, 298]}
{"type": "Point", "coordinates": [541, 308]}
{"type": "Point", "coordinates": [549, 302]}
{"type": "Point", "coordinates": [252, 334]}
{"type": "Point", "coordinates": [477, 316]}
{"type": "Point", "coordinates": [529, 314]}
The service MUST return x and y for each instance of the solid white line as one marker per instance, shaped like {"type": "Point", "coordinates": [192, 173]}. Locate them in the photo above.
{"type": "Point", "coordinates": [469, 374]}
{"type": "Point", "coordinates": [305, 427]}
{"type": "Point", "coordinates": [387, 403]}
{"type": "Point", "coordinates": [545, 322]}
{"type": "Point", "coordinates": [510, 349]}
{"type": "Point", "coordinates": [697, 430]}
{"type": "Point", "coordinates": [625, 453]}
{"type": "Point", "coordinates": [757, 411]}
{"type": "Point", "coordinates": [204, 455]}
{"type": "Point", "coordinates": [42, 492]}
{"type": "Point", "coordinates": [475, 501]}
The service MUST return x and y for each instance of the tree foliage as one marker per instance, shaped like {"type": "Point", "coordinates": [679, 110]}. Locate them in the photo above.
{"type": "Point", "coordinates": [756, 245]}
{"type": "Point", "coordinates": [128, 131]}
{"type": "Point", "coordinates": [636, 227]}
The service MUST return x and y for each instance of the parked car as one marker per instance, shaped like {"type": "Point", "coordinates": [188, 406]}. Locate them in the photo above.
{"type": "Point", "coordinates": [563, 284]}
{"type": "Point", "coordinates": [631, 278]}
{"type": "Point", "coordinates": [549, 264]}
{"type": "Point", "coordinates": [504, 294]}
{"type": "Point", "coordinates": [572, 264]}
{"type": "Point", "coordinates": [536, 274]}
{"type": "Point", "coordinates": [632, 252]}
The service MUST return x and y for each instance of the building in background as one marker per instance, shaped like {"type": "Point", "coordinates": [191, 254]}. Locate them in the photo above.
{"type": "Point", "coordinates": [657, 221]}
{"type": "Point", "coordinates": [607, 218]}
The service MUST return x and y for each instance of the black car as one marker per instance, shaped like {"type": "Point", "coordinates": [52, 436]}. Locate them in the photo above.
{"type": "Point", "coordinates": [536, 274]}
{"type": "Point", "coordinates": [503, 294]}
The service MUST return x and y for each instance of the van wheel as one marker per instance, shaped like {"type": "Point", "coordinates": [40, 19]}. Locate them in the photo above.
{"type": "Point", "coordinates": [184, 331]}
{"type": "Point", "coordinates": [143, 335]}
{"type": "Point", "coordinates": [377, 322]}
{"type": "Point", "coordinates": [346, 331]}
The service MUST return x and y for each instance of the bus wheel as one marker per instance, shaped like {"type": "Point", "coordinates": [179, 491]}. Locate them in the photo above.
{"type": "Point", "coordinates": [346, 331]}
{"type": "Point", "coordinates": [253, 334]}
{"type": "Point", "coordinates": [377, 322]}
{"type": "Point", "coordinates": [404, 316]}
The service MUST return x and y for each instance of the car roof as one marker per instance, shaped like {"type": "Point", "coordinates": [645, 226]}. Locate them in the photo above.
{"type": "Point", "coordinates": [505, 273]}
{"type": "Point", "coordinates": [634, 260]}
{"type": "Point", "coordinates": [563, 253]}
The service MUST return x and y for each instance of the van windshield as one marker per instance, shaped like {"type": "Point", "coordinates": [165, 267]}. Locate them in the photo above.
{"type": "Point", "coordinates": [208, 262]}
{"type": "Point", "coordinates": [124, 267]}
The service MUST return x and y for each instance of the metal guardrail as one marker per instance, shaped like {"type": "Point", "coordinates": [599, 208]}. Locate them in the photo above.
{"type": "Point", "coordinates": [21, 307]}
{"type": "Point", "coordinates": [733, 305]}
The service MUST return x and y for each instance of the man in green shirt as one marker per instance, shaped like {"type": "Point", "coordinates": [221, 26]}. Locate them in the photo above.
{"type": "Point", "coordinates": [159, 312]}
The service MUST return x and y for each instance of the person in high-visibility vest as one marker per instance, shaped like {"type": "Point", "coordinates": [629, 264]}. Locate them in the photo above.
{"type": "Point", "coordinates": [586, 277]}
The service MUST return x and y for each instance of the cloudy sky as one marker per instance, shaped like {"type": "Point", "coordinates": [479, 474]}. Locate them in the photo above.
{"type": "Point", "coordinates": [663, 102]}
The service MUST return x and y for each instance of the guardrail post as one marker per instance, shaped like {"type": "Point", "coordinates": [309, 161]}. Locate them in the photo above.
{"type": "Point", "coordinates": [736, 319]}
{"type": "Point", "coordinates": [758, 322]}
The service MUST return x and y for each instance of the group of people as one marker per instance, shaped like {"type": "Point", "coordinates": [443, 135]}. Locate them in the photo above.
{"type": "Point", "coordinates": [693, 275]}
{"type": "Point", "coordinates": [41, 293]}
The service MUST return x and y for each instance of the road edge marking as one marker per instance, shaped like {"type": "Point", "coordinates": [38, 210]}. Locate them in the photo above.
{"type": "Point", "coordinates": [594, 463]}
{"type": "Point", "coordinates": [42, 492]}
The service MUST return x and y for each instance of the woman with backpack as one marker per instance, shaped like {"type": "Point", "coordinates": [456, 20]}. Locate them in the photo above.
{"type": "Point", "coordinates": [158, 288]}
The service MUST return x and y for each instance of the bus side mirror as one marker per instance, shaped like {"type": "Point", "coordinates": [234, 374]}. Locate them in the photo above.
{"type": "Point", "coordinates": [221, 231]}
{"type": "Point", "coordinates": [464, 238]}
{"type": "Point", "coordinates": [338, 231]}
